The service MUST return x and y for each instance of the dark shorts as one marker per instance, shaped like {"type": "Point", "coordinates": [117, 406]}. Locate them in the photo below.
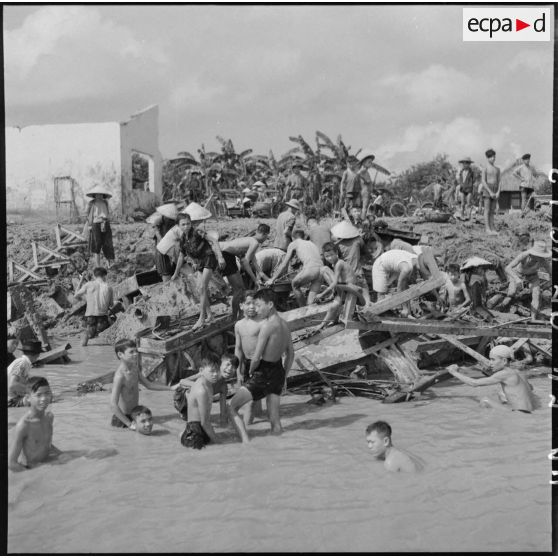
{"type": "Point", "coordinates": [194, 436]}
{"type": "Point", "coordinates": [164, 264]}
{"type": "Point", "coordinates": [96, 324]}
{"type": "Point", "coordinates": [181, 402]}
{"type": "Point", "coordinates": [269, 378]}
{"type": "Point", "coordinates": [118, 423]}
{"type": "Point", "coordinates": [246, 370]}
{"type": "Point", "coordinates": [466, 190]}
{"type": "Point", "coordinates": [101, 241]}
{"type": "Point", "coordinates": [19, 401]}
{"type": "Point", "coordinates": [230, 264]}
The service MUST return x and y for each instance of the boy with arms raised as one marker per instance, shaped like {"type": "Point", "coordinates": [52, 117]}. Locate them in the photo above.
{"type": "Point", "coordinates": [378, 438]}
{"type": "Point", "coordinates": [33, 432]}
{"type": "Point", "coordinates": [516, 391]}
{"type": "Point", "coordinates": [125, 386]}
{"type": "Point", "coordinates": [246, 332]}
{"type": "Point", "coordinates": [268, 375]}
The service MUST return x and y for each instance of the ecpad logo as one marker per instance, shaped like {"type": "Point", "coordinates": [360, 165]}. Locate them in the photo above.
{"type": "Point", "coordinates": [507, 24]}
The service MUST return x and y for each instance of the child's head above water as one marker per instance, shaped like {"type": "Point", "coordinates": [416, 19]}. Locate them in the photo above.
{"type": "Point", "coordinates": [378, 437]}
{"type": "Point", "coordinates": [247, 304]}
{"type": "Point", "coordinates": [40, 394]}
{"type": "Point", "coordinates": [210, 367]}
{"type": "Point", "coordinates": [126, 350]}
{"type": "Point", "coordinates": [142, 419]}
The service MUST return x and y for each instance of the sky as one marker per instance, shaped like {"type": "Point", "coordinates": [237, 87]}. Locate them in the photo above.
{"type": "Point", "coordinates": [397, 80]}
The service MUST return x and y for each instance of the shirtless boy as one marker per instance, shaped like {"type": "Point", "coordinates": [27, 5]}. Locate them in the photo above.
{"type": "Point", "coordinates": [378, 437]}
{"type": "Point", "coordinates": [246, 333]}
{"type": "Point", "coordinates": [490, 190]}
{"type": "Point", "coordinates": [309, 255]}
{"type": "Point", "coordinates": [199, 430]}
{"type": "Point", "coordinates": [342, 274]}
{"type": "Point", "coordinates": [33, 431]}
{"type": "Point", "coordinates": [268, 375]}
{"type": "Point", "coordinates": [125, 386]}
{"type": "Point", "coordinates": [516, 390]}
{"type": "Point", "coordinates": [455, 293]}
{"type": "Point", "coordinates": [142, 420]}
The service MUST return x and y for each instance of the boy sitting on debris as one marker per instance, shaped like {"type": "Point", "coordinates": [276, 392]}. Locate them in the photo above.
{"type": "Point", "coordinates": [476, 283]}
{"type": "Point", "coordinates": [525, 268]}
{"type": "Point", "coordinates": [99, 297]}
{"type": "Point", "coordinates": [378, 438]}
{"type": "Point", "coordinates": [454, 292]}
{"type": "Point", "coordinates": [343, 274]}
{"type": "Point", "coordinates": [125, 385]}
{"type": "Point", "coordinates": [516, 390]}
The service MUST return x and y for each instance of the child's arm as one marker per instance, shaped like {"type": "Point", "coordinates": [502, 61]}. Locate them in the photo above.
{"type": "Point", "coordinates": [153, 385]}
{"type": "Point", "coordinates": [204, 404]}
{"type": "Point", "coordinates": [336, 275]}
{"type": "Point", "coordinates": [223, 413]}
{"type": "Point", "coordinates": [82, 291]}
{"type": "Point", "coordinates": [465, 292]}
{"type": "Point", "coordinates": [20, 431]}
{"type": "Point", "coordinates": [263, 337]}
{"type": "Point", "coordinates": [516, 261]}
{"type": "Point", "coordinates": [475, 382]}
{"type": "Point", "coordinates": [239, 353]}
{"type": "Point", "coordinates": [284, 264]}
{"type": "Point", "coordinates": [115, 398]}
{"type": "Point", "coordinates": [179, 264]}
{"type": "Point", "coordinates": [217, 251]}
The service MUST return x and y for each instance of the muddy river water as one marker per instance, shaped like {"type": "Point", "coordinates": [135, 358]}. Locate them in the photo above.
{"type": "Point", "coordinates": [484, 487]}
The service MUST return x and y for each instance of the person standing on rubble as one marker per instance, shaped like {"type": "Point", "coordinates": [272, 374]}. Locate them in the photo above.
{"type": "Point", "coordinates": [526, 174]}
{"type": "Point", "coordinates": [97, 225]}
{"type": "Point", "coordinates": [285, 224]}
{"type": "Point", "coordinates": [162, 221]}
{"type": "Point", "coordinates": [366, 160]}
{"type": "Point", "coordinates": [297, 184]}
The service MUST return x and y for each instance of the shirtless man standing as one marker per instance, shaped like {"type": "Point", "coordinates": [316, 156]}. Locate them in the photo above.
{"type": "Point", "coordinates": [268, 375]}
{"type": "Point", "coordinates": [490, 184]}
{"type": "Point", "coordinates": [516, 390]}
{"type": "Point", "coordinates": [309, 254]}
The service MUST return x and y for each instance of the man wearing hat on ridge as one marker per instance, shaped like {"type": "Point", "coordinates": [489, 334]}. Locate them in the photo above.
{"type": "Point", "coordinates": [526, 174]}
{"type": "Point", "coordinates": [466, 186]}
{"type": "Point", "coordinates": [97, 221]}
{"type": "Point", "coordinates": [285, 224]}
{"type": "Point", "coordinates": [366, 160]}
{"type": "Point", "coordinates": [525, 268]}
{"type": "Point", "coordinates": [297, 184]}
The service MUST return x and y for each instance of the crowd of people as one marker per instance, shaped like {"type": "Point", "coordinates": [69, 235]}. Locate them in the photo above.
{"type": "Point", "coordinates": [358, 255]}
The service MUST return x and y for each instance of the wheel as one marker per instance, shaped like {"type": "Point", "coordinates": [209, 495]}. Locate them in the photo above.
{"type": "Point", "coordinates": [427, 205]}
{"type": "Point", "coordinates": [397, 209]}
{"type": "Point", "coordinates": [411, 208]}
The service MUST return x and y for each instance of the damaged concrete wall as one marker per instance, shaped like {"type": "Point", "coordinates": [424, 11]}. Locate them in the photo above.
{"type": "Point", "coordinates": [140, 135]}
{"type": "Point", "coordinates": [36, 155]}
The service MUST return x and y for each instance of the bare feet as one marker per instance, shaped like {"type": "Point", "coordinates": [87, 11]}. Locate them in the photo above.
{"type": "Point", "coordinates": [198, 325]}
{"type": "Point", "coordinates": [277, 431]}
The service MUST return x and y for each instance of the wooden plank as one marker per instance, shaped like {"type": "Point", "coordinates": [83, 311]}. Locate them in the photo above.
{"type": "Point", "coordinates": [54, 354]}
{"type": "Point", "coordinates": [443, 344]}
{"type": "Point", "coordinates": [348, 308]}
{"type": "Point", "coordinates": [430, 261]}
{"type": "Point", "coordinates": [519, 343]}
{"type": "Point", "coordinates": [26, 272]}
{"type": "Point", "coordinates": [52, 258]}
{"type": "Point", "coordinates": [454, 341]}
{"type": "Point", "coordinates": [396, 325]}
{"type": "Point", "coordinates": [302, 317]}
{"type": "Point", "coordinates": [397, 299]}
{"type": "Point", "coordinates": [541, 349]}
{"type": "Point", "coordinates": [324, 334]}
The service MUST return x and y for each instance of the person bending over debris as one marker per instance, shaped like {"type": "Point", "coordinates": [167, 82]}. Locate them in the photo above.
{"type": "Point", "coordinates": [343, 274]}
{"type": "Point", "coordinates": [378, 438]}
{"type": "Point", "coordinates": [476, 283]}
{"type": "Point", "coordinates": [269, 259]}
{"type": "Point", "coordinates": [391, 266]}
{"type": "Point", "coordinates": [162, 221]}
{"type": "Point", "coordinates": [99, 297]}
{"type": "Point", "coordinates": [525, 268]}
{"type": "Point", "coordinates": [516, 392]}
{"type": "Point", "coordinates": [268, 374]}
{"type": "Point", "coordinates": [309, 255]}
{"type": "Point", "coordinates": [205, 252]}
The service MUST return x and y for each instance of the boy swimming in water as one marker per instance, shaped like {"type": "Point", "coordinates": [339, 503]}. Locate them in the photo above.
{"type": "Point", "coordinates": [199, 430]}
{"type": "Point", "coordinates": [246, 333]}
{"type": "Point", "coordinates": [517, 392]}
{"type": "Point", "coordinates": [33, 431]}
{"type": "Point", "coordinates": [125, 385]}
{"type": "Point", "coordinates": [268, 375]}
{"type": "Point", "coordinates": [378, 437]}
{"type": "Point", "coordinates": [142, 420]}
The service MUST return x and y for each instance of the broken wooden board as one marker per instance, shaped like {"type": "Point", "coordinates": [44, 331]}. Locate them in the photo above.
{"type": "Point", "coordinates": [397, 299]}
{"type": "Point", "coordinates": [421, 385]}
{"type": "Point", "coordinates": [433, 327]}
{"type": "Point", "coordinates": [537, 347]}
{"type": "Point", "coordinates": [66, 238]}
{"type": "Point", "coordinates": [442, 344]}
{"type": "Point", "coordinates": [25, 273]}
{"type": "Point", "coordinates": [299, 318]}
{"type": "Point", "coordinates": [54, 354]}
{"type": "Point", "coordinates": [51, 258]}
{"type": "Point", "coordinates": [23, 301]}
{"type": "Point", "coordinates": [472, 353]}
{"type": "Point", "coordinates": [323, 334]}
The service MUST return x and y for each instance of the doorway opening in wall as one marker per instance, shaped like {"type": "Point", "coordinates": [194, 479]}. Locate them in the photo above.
{"type": "Point", "coordinates": [143, 172]}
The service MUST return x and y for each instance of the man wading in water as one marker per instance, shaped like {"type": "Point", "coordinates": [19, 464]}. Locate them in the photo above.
{"type": "Point", "coordinates": [268, 376]}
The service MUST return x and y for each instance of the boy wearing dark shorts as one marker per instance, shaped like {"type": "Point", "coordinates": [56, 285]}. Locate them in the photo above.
{"type": "Point", "coordinates": [267, 373]}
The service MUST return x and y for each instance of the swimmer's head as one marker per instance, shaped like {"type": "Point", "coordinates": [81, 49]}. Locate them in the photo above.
{"type": "Point", "coordinates": [265, 301]}
{"type": "Point", "coordinates": [262, 232]}
{"type": "Point", "coordinates": [378, 437]}
{"type": "Point", "coordinates": [210, 367]}
{"type": "Point", "coordinates": [143, 419]}
{"type": "Point", "coordinates": [247, 304]}
{"type": "Point", "coordinates": [229, 364]}
{"type": "Point", "coordinates": [500, 357]}
{"type": "Point", "coordinates": [126, 350]}
{"type": "Point", "coordinates": [330, 252]}
{"type": "Point", "coordinates": [40, 394]}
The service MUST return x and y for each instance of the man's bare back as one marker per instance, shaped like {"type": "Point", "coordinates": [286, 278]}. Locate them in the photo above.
{"type": "Point", "coordinates": [278, 338]}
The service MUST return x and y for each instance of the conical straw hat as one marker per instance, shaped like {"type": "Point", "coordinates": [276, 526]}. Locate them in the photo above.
{"type": "Point", "coordinates": [475, 261]}
{"type": "Point", "coordinates": [154, 219]}
{"type": "Point", "coordinates": [197, 212]}
{"type": "Point", "coordinates": [540, 249]}
{"type": "Point", "coordinates": [168, 210]}
{"type": "Point", "coordinates": [344, 230]}
{"type": "Point", "coordinates": [99, 189]}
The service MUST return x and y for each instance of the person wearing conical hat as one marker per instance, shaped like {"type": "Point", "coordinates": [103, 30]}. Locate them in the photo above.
{"type": "Point", "coordinates": [466, 183]}
{"type": "Point", "coordinates": [474, 270]}
{"type": "Point", "coordinates": [516, 392]}
{"type": "Point", "coordinates": [163, 262]}
{"type": "Point", "coordinates": [524, 268]}
{"type": "Point", "coordinates": [97, 221]}
{"type": "Point", "coordinates": [285, 224]}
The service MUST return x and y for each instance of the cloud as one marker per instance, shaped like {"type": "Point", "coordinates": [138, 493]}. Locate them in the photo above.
{"type": "Point", "coordinates": [69, 52]}
{"type": "Point", "coordinates": [536, 61]}
{"type": "Point", "coordinates": [191, 94]}
{"type": "Point", "coordinates": [458, 138]}
{"type": "Point", "coordinates": [435, 87]}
